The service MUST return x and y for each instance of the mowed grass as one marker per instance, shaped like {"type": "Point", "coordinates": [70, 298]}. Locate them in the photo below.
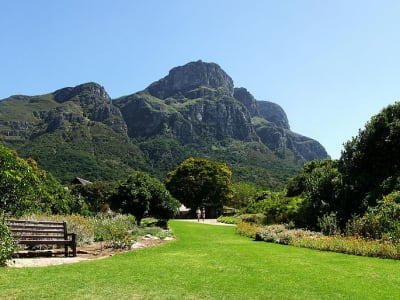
{"type": "Point", "coordinates": [210, 262]}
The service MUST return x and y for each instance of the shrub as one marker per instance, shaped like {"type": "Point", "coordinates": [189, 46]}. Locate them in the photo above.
{"type": "Point", "coordinates": [117, 229]}
{"type": "Point", "coordinates": [7, 244]}
{"type": "Point", "coordinates": [229, 220]}
{"type": "Point", "coordinates": [274, 205]}
{"type": "Point", "coordinates": [259, 219]}
{"type": "Point", "coordinates": [247, 229]}
{"type": "Point", "coordinates": [379, 222]}
{"type": "Point", "coordinates": [329, 224]}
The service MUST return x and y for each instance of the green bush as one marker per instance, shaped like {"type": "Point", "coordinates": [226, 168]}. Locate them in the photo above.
{"type": "Point", "coordinates": [275, 206]}
{"type": "Point", "coordinates": [229, 220]}
{"type": "Point", "coordinates": [118, 230]}
{"type": "Point", "coordinates": [7, 244]}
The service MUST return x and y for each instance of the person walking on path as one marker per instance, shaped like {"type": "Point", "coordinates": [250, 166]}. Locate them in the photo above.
{"type": "Point", "coordinates": [203, 213]}
{"type": "Point", "coordinates": [198, 213]}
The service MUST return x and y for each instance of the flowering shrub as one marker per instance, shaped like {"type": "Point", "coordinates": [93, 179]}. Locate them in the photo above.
{"type": "Point", "coordinates": [351, 245]}
{"type": "Point", "coordinates": [247, 229]}
{"type": "Point", "coordinates": [281, 234]}
{"type": "Point", "coordinates": [354, 245]}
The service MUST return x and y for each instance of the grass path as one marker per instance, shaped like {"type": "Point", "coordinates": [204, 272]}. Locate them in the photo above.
{"type": "Point", "coordinates": [210, 262]}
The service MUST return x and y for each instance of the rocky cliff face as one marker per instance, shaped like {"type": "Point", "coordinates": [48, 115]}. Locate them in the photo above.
{"type": "Point", "coordinates": [198, 101]}
{"type": "Point", "coordinates": [192, 102]}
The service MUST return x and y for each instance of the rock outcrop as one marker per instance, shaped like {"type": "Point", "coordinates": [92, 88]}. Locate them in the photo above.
{"type": "Point", "coordinates": [182, 80]}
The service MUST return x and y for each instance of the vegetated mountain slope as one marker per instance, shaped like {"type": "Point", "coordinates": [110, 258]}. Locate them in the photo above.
{"type": "Point", "coordinates": [194, 111]}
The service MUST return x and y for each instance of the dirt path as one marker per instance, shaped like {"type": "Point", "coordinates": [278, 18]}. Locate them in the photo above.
{"type": "Point", "coordinates": [88, 252]}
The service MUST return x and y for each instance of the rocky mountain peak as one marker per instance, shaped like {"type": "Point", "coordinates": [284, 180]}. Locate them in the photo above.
{"type": "Point", "coordinates": [190, 76]}
{"type": "Point", "coordinates": [90, 88]}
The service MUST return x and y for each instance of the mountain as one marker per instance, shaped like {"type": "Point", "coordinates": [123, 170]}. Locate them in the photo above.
{"type": "Point", "coordinates": [193, 111]}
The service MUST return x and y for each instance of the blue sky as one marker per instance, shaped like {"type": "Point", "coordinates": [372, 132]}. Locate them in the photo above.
{"type": "Point", "coordinates": [331, 65]}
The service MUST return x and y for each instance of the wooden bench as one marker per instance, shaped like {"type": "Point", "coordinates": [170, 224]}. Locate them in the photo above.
{"type": "Point", "coordinates": [32, 233]}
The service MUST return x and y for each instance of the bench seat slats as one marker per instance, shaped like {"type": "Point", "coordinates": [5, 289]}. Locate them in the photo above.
{"type": "Point", "coordinates": [34, 222]}
{"type": "Point", "coordinates": [38, 228]}
{"type": "Point", "coordinates": [43, 242]}
{"type": "Point", "coordinates": [43, 232]}
{"type": "Point", "coordinates": [38, 237]}
{"type": "Point", "coordinates": [27, 232]}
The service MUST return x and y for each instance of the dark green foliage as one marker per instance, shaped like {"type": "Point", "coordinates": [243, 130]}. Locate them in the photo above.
{"type": "Point", "coordinates": [26, 188]}
{"type": "Point", "coordinates": [320, 185]}
{"type": "Point", "coordinates": [7, 244]}
{"type": "Point", "coordinates": [141, 194]}
{"type": "Point", "coordinates": [88, 150]}
{"type": "Point", "coordinates": [198, 182]}
{"type": "Point", "coordinates": [368, 169]}
{"type": "Point", "coordinates": [276, 207]}
{"type": "Point", "coordinates": [95, 195]}
{"type": "Point", "coordinates": [370, 162]}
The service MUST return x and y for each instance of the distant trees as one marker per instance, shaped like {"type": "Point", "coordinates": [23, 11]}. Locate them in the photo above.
{"type": "Point", "coordinates": [198, 182]}
{"type": "Point", "coordinates": [141, 194]}
{"type": "Point", "coordinates": [96, 195]}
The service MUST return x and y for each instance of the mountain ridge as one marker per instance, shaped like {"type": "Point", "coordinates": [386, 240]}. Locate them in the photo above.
{"type": "Point", "coordinates": [194, 110]}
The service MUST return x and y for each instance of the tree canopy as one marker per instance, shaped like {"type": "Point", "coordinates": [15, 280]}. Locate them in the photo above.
{"type": "Point", "coordinates": [141, 194]}
{"type": "Point", "coordinates": [368, 170]}
{"type": "Point", "coordinates": [370, 162]}
{"type": "Point", "coordinates": [198, 182]}
{"type": "Point", "coordinates": [26, 188]}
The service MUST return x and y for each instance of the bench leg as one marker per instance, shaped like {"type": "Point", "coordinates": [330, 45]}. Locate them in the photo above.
{"type": "Point", "coordinates": [74, 245]}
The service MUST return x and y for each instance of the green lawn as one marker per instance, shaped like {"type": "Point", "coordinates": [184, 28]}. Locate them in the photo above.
{"type": "Point", "coordinates": [210, 262]}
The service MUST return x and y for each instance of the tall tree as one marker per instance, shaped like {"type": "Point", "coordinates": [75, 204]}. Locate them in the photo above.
{"type": "Point", "coordinates": [140, 194]}
{"type": "Point", "coordinates": [370, 162]}
{"type": "Point", "coordinates": [198, 182]}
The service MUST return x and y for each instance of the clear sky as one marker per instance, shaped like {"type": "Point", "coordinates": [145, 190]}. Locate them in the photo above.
{"type": "Point", "coordinates": [330, 64]}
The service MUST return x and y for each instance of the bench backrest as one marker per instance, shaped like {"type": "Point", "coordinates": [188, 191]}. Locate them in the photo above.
{"type": "Point", "coordinates": [25, 230]}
